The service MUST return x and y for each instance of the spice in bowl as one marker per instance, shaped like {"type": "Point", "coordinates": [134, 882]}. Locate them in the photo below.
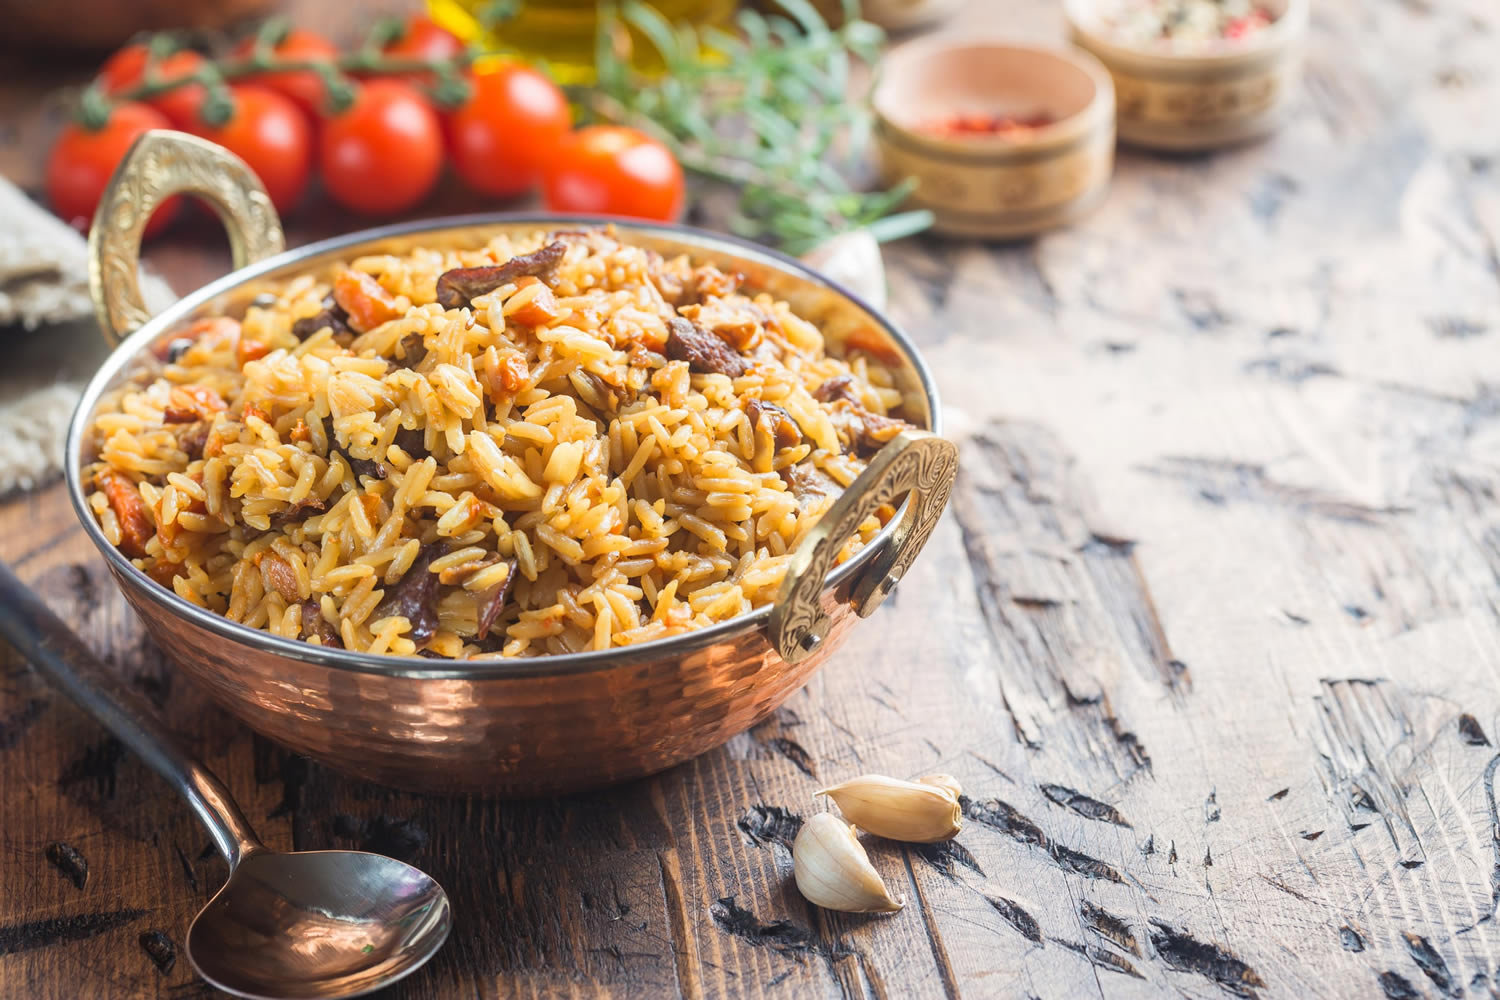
{"type": "Point", "coordinates": [980, 124]}
{"type": "Point", "coordinates": [1187, 23]}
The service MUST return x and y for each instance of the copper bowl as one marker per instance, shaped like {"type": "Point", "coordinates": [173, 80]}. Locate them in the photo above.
{"type": "Point", "coordinates": [521, 727]}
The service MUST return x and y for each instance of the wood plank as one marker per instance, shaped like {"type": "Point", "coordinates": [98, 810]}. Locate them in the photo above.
{"type": "Point", "coordinates": [1209, 637]}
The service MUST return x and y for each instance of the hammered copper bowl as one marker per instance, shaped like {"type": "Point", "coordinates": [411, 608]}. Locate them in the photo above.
{"type": "Point", "coordinates": [520, 727]}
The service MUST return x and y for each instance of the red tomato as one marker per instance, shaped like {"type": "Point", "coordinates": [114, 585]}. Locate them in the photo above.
{"type": "Point", "coordinates": [127, 68]}
{"type": "Point", "coordinates": [81, 163]}
{"type": "Point", "coordinates": [123, 69]}
{"type": "Point", "coordinates": [508, 130]}
{"type": "Point", "coordinates": [384, 153]}
{"type": "Point", "coordinates": [303, 86]}
{"type": "Point", "coordinates": [613, 170]}
{"type": "Point", "coordinates": [425, 39]}
{"type": "Point", "coordinates": [272, 135]}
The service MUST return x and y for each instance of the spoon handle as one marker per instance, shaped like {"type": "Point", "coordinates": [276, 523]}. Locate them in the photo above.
{"type": "Point", "coordinates": [52, 648]}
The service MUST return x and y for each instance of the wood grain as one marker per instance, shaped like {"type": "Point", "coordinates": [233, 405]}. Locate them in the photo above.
{"type": "Point", "coordinates": [1210, 635]}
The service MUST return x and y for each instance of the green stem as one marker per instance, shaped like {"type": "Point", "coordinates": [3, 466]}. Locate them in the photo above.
{"type": "Point", "coordinates": [260, 61]}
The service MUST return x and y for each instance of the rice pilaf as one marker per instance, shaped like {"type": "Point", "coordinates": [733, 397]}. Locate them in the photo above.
{"type": "Point", "coordinates": [543, 445]}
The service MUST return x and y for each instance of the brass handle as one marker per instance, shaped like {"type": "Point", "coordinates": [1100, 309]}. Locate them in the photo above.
{"type": "Point", "coordinates": [161, 164]}
{"type": "Point", "coordinates": [915, 463]}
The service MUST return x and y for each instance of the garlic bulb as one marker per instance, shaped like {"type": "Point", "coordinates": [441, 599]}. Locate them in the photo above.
{"type": "Point", "coordinates": [833, 870]}
{"type": "Point", "coordinates": [921, 812]}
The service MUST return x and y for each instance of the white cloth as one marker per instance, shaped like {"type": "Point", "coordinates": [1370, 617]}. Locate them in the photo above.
{"type": "Point", "coordinates": [52, 344]}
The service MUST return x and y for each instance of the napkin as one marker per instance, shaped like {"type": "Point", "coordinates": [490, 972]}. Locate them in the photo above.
{"type": "Point", "coordinates": [52, 343]}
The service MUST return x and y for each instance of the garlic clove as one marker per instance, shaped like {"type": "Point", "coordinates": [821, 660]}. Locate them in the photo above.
{"type": "Point", "coordinates": [833, 870]}
{"type": "Point", "coordinates": [900, 810]}
{"type": "Point", "coordinates": [940, 780]}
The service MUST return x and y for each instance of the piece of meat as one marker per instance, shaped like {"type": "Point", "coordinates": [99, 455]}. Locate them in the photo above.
{"type": "Point", "coordinates": [739, 326]}
{"type": "Point", "coordinates": [277, 574]}
{"type": "Point", "coordinates": [314, 624]}
{"type": "Point", "coordinates": [299, 511]}
{"type": "Point", "coordinates": [707, 281]}
{"type": "Point", "coordinates": [838, 387]}
{"type": "Point", "coordinates": [301, 432]}
{"type": "Point", "coordinates": [781, 424]}
{"type": "Point", "coordinates": [332, 316]}
{"type": "Point", "coordinates": [415, 596]}
{"type": "Point", "coordinates": [413, 442]}
{"type": "Point", "coordinates": [704, 352]}
{"type": "Point", "coordinates": [862, 430]}
{"type": "Point", "coordinates": [460, 286]}
{"type": "Point", "coordinates": [187, 404]}
{"type": "Point", "coordinates": [192, 439]}
{"type": "Point", "coordinates": [136, 527]}
{"type": "Point", "coordinates": [492, 601]}
{"type": "Point", "coordinates": [807, 481]}
{"type": "Point", "coordinates": [360, 466]}
{"type": "Point", "coordinates": [413, 349]}
{"type": "Point", "coordinates": [672, 288]}
{"type": "Point", "coordinates": [364, 300]}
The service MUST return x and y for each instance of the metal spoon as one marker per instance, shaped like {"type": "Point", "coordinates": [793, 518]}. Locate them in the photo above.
{"type": "Point", "coordinates": [313, 924]}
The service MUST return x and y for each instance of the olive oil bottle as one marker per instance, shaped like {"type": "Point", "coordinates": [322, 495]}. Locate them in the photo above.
{"type": "Point", "coordinates": [561, 33]}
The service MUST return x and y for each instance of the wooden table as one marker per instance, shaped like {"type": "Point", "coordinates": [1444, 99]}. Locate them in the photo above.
{"type": "Point", "coordinates": [1211, 635]}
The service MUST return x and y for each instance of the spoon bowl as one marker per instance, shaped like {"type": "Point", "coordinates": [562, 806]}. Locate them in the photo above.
{"type": "Point", "coordinates": [318, 924]}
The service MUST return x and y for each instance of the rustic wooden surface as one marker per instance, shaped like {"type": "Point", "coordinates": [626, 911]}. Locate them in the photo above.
{"type": "Point", "coordinates": [1210, 636]}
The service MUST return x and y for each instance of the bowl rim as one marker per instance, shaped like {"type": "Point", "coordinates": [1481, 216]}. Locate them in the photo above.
{"type": "Point", "coordinates": [1063, 131]}
{"type": "Point", "coordinates": [1082, 17]}
{"type": "Point", "coordinates": [418, 667]}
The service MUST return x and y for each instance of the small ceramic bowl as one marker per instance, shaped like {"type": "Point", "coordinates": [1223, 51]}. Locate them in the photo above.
{"type": "Point", "coordinates": [996, 185]}
{"type": "Point", "coordinates": [1196, 98]}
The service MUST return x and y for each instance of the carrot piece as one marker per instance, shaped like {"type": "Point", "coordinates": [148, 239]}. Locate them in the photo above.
{"type": "Point", "coordinates": [125, 500]}
{"type": "Point", "coordinates": [542, 307]}
{"type": "Point", "coordinates": [164, 571]}
{"type": "Point", "coordinates": [248, 350]}
{"type": "Point", "coordinates": [366, 302]}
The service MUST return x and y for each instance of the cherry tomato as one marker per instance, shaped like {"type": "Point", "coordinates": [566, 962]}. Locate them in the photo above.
{"type": "Point", "coordinates": [123, 69]}
{"type": "Point", "coordinates": [272, 135]}
{"type": "Point", "coordinates": [425, 39]}
{"type": "Point", "coordinates": [613, 170]}
{"type": "Point", "coordinates": [127, 68]}
{"type": "Point", "coordinates": [81, 163]}
{"type": "Point", "coordinates": [509, 129]}
{"type": "Point", "coordinates": [303, 86]}
{"type": "Point", "coordinates": [384, 153]}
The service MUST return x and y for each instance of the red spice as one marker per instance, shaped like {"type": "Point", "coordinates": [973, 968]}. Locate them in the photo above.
{"type": "Point", "coordinates": [1013, 126]}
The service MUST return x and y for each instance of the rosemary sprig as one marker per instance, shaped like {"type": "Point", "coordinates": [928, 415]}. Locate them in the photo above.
{"type": "Point", "coordinates": [767, 110]}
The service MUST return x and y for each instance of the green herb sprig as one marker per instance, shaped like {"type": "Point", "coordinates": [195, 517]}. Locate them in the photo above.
{"type": "Point", "coordinates": [767, 110]}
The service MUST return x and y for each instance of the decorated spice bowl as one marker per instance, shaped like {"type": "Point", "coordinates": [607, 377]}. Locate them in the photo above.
{"type": "Point", "coordinates": [1195, 74]}
{"type": "Point", "coordinates": [1004, 139]}
{"type": "Point", "coordinates": [493, 723]}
